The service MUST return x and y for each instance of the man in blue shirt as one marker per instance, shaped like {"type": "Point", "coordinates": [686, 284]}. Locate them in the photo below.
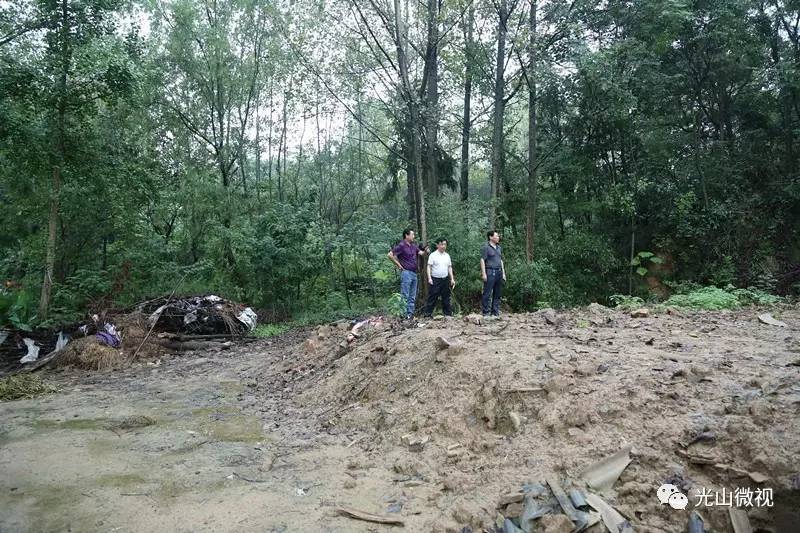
{"type": "Point", "coordinates": [404, 256]}
{"type": "Point", "coordinates": [493, 274]}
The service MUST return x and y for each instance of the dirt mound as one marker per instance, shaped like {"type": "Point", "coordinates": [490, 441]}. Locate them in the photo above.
{"type": "Point", "coordinates": [705, 400]}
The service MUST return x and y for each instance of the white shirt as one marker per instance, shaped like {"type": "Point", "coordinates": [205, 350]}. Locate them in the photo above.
{"type": "Point", "coordinates": [440, 264]}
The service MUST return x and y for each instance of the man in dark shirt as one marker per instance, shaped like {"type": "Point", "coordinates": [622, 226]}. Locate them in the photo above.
{"type": "Point", "coordinates": [493, 274]}
{"type": "Point", "coordinates": [404, 255]}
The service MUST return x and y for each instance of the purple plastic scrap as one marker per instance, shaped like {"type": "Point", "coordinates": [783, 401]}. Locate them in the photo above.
{"type": "Point", "coordinates": [107, 338]}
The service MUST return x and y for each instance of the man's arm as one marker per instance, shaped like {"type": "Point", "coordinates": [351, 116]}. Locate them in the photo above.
{"type": "Point", "coordinates": [394, 260]}
{"type": "Point", "coordinates": [503, 268]}
{"type": "Point", "coordinates": [452, 276]}
{"type": "Point", "coordinates": [430, 276]}
{"type": "Point", "coordinates": [483, 269]}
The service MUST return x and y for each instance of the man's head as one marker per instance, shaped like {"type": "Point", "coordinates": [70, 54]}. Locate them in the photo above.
{"type": "Point", "coordinates": [441, 245]}
{"type": "Point", "coordinates": [408, 235]}
{"type": "Point", "coordinates": [493, 237]}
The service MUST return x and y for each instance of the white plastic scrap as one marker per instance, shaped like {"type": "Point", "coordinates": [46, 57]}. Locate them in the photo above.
{"type": "Point", "coordinates": [33, 351]}
{"type": "Point", "coordinates": [248, 317]}
{"type": "Point", "coordinates": [188, 318]}
{"type": "Point", "coordinates": [62, 340]}
{"type": "Point", "coordinates": [110, 328]}
{"type": "Point", "coordinates": [153, 318]}
{"type": "Point", "coordinates": [3, 336]}
{"type": "Point", "coordinates": [213, 298]}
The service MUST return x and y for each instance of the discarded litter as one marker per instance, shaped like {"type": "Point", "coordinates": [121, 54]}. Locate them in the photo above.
{"type": "Point", "coordinates": [208, 314]}
{"type": "Point", "coordinates": [768, 319]}
{"type": "Point", "coordinates": [368, 517]}
{"type": "Point", "coordinates": [604, 473]}
{"type": "Point", "coordinates": [33, 351]}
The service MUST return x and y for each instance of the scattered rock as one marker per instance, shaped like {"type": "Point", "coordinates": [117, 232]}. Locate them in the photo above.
{"type": "Point", "coordinates": [640, 313]}
{"type": "Point", "coordinates": [555, 523]}
{"type": "Point", "coordinates": [585, 369]}
{"type": "Point", "coordinates": [516, 420]}
{"type": "Point", "coordinates": [513, 510]}
{"type": "Point", "coordinates": [415, 443]}
{"type": "Point", "coordinates": [379, 358]}
{"type": "Point", "coordinates": [509, 498]}
{"type": "Point", "coordinates": [474, 319]}
{"type": "Point", "coordinates": [556, 385]}
{"type": "Point", "coordinates": [310, 346]}
{"type": "Point", "coordinates": [549, 316]}
{"type": "Point", "coordinates": [350, 484]}
{"type": "Point", "coordinates": [597, 309]}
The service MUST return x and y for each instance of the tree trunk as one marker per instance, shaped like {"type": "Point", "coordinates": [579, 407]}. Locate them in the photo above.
{"type": "Point", "coordinates": [413, 107]}
{"type": "Point", "coordinates": [465, 128]}
{"type": "Point", "coordinates": [269, 142]}
{"type": "Point", "coordinates": [61, 117]}
{"type": "Point", "coordinates": [499, 113]}
{"type": "Point", "coordinates": [530, 222]}
{"type": "Point", "coordinates": [432, 97]}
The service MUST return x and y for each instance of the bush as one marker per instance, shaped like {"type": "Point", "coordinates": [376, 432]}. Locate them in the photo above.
{"type": "Point", "coordinates": [714, 298]}
{"type": "Point", "coordinates": [625, 302]}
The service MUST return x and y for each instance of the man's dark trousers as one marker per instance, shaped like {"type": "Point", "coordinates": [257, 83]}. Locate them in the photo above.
{"type": "Point", "coordinates": [492, 291]}
{"type": "Point", "coordinates": [440, 287]}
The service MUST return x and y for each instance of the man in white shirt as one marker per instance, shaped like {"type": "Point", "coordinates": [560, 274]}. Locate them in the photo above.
{"type": "Point", "coordinates": [440, 279]}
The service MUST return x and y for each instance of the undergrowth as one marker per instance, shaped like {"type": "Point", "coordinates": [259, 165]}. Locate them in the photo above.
{"type": "Point", "coordinates": [708, 298]}
{"type": "Point", "coordinates": [270, 330]}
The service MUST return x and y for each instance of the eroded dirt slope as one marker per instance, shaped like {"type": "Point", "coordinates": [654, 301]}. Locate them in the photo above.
{"type": "Point", "coordinates": [273, 436]}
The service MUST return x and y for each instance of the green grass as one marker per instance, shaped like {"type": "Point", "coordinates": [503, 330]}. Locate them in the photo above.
{"type": "Point", "coordinates": [270, 330]}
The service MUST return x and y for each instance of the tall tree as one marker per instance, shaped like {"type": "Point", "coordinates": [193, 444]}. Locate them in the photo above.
{"type": "Point", "coordinates": [466, 124]}
{"type": "Point", "coordinates": [530, 211]}
{"type": "Point", "coordinates": [498, 152]}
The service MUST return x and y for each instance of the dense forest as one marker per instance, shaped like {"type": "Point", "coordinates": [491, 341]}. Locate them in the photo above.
{"type": "Point", "coordinates": [273, 152]}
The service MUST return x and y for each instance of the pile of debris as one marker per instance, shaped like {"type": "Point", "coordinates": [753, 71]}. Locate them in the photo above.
{"type": "Point", "coordinates": [550, 506]}
{"type": "Point", "coordinates": [198, 315]}
{"type": "Point", "coordinates": [109, 340]}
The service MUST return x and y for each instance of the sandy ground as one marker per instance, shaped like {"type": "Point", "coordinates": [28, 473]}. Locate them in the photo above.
{"type": "Point", "coordinates": [274, 435]}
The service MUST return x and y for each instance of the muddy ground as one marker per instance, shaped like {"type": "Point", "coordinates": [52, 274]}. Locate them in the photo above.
{"type": "Point", "coordinates": [274, 435]}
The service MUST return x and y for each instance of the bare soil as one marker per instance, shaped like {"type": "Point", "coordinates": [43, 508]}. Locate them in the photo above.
{"type": "Point", "coordinates": [275, 435]}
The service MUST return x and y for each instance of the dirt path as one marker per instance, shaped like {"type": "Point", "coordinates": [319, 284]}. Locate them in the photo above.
{"type": "Point", "coordinates": [272, 436]}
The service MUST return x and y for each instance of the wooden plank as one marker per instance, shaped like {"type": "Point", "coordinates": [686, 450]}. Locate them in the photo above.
{"type": "Point", "coordinates": [368, 517]}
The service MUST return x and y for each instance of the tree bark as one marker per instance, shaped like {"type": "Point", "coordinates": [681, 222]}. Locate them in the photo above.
{"type": "Point", "coordinates": [466, 125]}
{"type": "Point", "coordinates": [60, 156]}
{"type": "Point", "coordinates": [530, 222]}
{"type": "Point", "coordinates": [499, 113]}
{"type": "Point", "coordinates": [413, 108]}
{"type": "Point", "coordinates": [432, 97]}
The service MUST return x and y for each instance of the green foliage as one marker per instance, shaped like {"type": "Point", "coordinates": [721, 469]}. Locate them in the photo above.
{"type": "Point", "coordinates": [755, 296]}
{"type": "Point", "coordinates": [626, 302]}
{"type": "Point", "coordinates": [706, 298]}
{"type": "Point", "coordinates": [396, 305]}
{"type": "Point", "coordinates": [23, 386]}
{"type": "Point", "coordinates": [270, 330]}
{"type": "Point", "coordinates": [642, 260]}
{"type": "Point", "coordinates": [714, 298]}
{"type": "Point", "coordinates": [17, 309]}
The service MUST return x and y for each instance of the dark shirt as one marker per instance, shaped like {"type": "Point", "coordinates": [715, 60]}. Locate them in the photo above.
{"type": "Point", "coordinates": [406, 254]}
{"type": "Point", "coordinates": [493, 257]}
